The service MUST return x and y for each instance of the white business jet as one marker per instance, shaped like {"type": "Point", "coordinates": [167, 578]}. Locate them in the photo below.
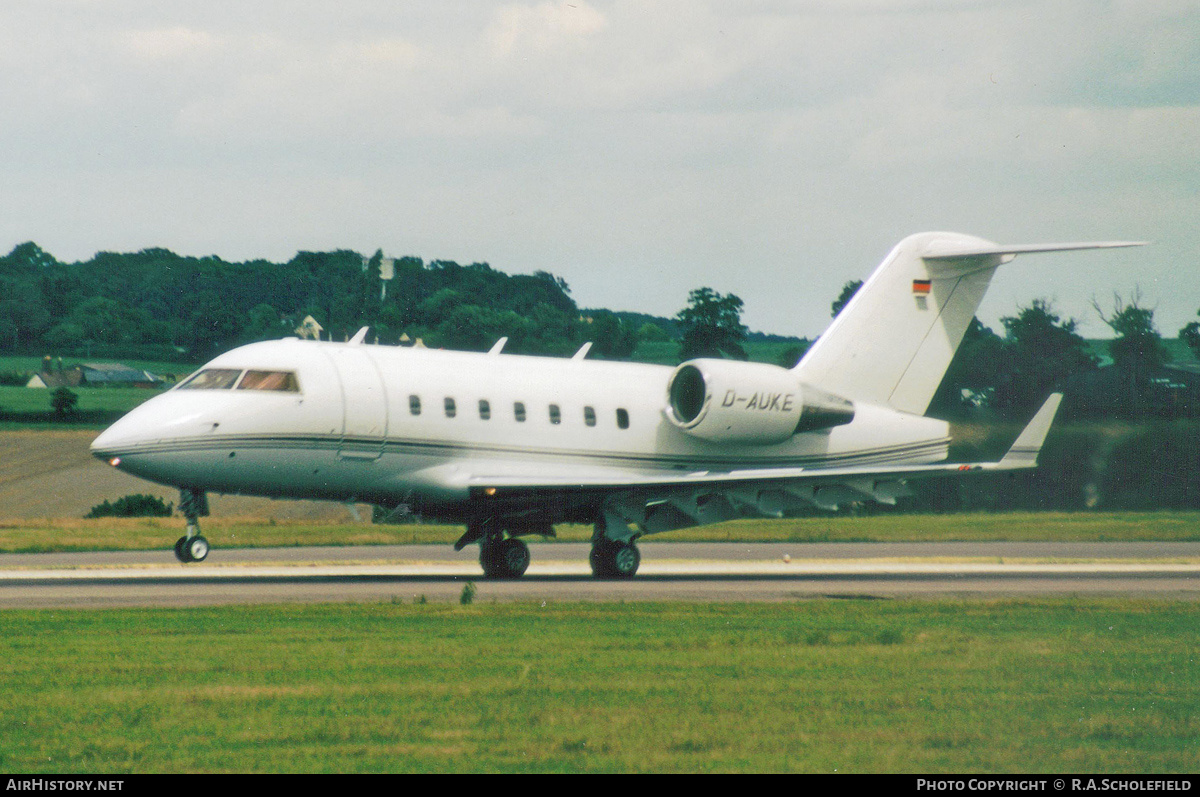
{"type": "Point", "coordinates": [509, 445]}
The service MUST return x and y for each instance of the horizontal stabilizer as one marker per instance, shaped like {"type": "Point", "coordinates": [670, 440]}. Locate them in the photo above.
{"type": "Point", "coordinates": [954, 249]}
{"type": "Point", "coordinates": [1025, 449]}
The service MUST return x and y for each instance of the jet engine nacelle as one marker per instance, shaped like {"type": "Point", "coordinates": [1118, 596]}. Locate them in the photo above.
{"type": "Point", "coordinates": [727, 401]}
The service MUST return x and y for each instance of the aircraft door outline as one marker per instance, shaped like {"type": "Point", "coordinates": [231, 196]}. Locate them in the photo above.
{"type": "Point", "coordinates": [364, 405]}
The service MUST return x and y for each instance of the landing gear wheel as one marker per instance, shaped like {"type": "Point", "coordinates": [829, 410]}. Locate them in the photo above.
{"type": "Point", "coordinates": [614, 559]}
{"type": "Point", "coordinates": [196, 549]}
{"type": "Point", "coordinates": [504, 558]}
{"type": "Point", "coordinates": [191, 549]}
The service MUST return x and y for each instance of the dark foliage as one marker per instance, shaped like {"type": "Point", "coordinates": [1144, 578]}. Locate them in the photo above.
{"type": "Point", "coordinates": [133, 506]}
{"type": "Point", "coordinates": [160, 305]}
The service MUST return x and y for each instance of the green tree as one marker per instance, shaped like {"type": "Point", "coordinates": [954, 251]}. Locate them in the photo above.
{"type": "Point", "coordinates": [265, 323]}
{"type": "Point", "coordinates": [611, 337]}
{"type": "Point", "coordinates": [712, 326]}
{"type": "Point", "coordinates": [652, 333]}
{"type": "Point", "coordinates": [105, 320]}
{"type": "Point", "coordinates": [973, 373]}
{"type": "Point", "coordinates": [1041, 352]}
{"type": "Point", "coordinates": [1138, 346]}
{"type": "Point", "coordinates": [843, 299]}
{"type": "Point", "coordinates": [63, 401]}
{"type": "Point", "coordinates": [1190, 335]}
{"type": "Point", "coordinates": [1137, 351]}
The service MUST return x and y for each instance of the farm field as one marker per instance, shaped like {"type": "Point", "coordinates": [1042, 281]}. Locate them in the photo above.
{"type": "Point", "coordinates": [91, 399]}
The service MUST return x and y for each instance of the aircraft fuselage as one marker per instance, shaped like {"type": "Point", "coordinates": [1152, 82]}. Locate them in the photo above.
{"type": "Point", "coordinates": [392, 425]}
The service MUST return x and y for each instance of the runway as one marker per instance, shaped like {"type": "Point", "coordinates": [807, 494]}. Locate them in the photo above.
{"type": "Point", "coordinates": [670, 571]}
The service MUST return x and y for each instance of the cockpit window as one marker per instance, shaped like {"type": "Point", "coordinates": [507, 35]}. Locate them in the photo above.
{"type": "Point", "coordinates": [282, 381]}
{"type": "Point", "coordinates": [212, 379]}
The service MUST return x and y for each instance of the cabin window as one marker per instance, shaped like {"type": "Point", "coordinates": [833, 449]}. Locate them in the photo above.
{"type": "Point", "coordinates": [519, 412]}
{"type": "Point", "coordinates": [485, 409]}
{"type": "Point", "coordinates": [451, 407]}
{"type": "Point", "coordinates": [280, 381]}
{"type": "Point", "coordinates": [414, 404]}
{"type": "Point", "coordinates": [212, 379]}
{"type": "Point", "coordinates": [589, 416]}
{"type": "Point", "coordinates": [555, 414]}
{"type": "Point", "coordinates": [622, 419]}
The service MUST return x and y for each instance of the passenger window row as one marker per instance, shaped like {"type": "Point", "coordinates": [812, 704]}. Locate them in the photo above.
{"type": "Point", "coordinates": [450, 407]}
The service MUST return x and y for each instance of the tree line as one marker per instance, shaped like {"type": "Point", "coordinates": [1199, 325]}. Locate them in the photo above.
{"type": "Point", "coordinates": [155, 304]}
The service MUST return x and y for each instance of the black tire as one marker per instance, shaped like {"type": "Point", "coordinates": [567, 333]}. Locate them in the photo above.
{"type": "Point", "coordinates": [180, 553]}
{"type": "Point", "coordinates": [504, 559]}
{"type": "Point", "coordinates": [614, 559]}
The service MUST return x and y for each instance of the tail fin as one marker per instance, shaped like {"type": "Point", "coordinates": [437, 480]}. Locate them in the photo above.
{"type": "Point", "coordinates": [891, 345]}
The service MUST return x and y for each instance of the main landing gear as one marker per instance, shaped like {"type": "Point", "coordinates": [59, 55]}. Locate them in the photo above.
{"type": "Point", "coordinates": [613, 553]}
{"type": "Point", "coordinates": [499, 556]}
{"type": "Point", "coordinates": [508, 557]}
{"type": "Point", "coordinates": [614, 559]}
{"type": "Point", "coordinates": [192, 547]}
{"type": "Point", "coordinates": [503, 558]}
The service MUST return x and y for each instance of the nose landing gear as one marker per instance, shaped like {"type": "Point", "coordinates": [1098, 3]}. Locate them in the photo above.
{"type": "Point", "coordinates": [192, 547]}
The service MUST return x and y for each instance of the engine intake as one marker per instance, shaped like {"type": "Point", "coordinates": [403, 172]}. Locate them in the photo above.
{"type": "Point", "coordinates": [738, 402]}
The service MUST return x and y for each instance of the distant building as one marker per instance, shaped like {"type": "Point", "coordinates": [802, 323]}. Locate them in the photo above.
{"type": "Point", "coordinates": [96, 375]}
{"type": "Point", "coordinates": [387, 272]}
{"type": "Point", "coordinates": [309, 329]}
{"type": "Point", "coordinates": [1170, 391]}
{"type": "Point", "coordinates": [71, 377]}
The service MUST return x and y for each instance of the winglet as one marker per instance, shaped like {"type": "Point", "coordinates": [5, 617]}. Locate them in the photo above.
{"type": "Point", "coordinates": [1024, 451]}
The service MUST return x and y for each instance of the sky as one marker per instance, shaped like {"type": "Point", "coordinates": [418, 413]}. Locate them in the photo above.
{"type": "Point", "coordinates": [639, 150]}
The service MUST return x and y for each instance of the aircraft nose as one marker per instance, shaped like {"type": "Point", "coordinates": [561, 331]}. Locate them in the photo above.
{"type": "Point", "coordinates": [105, 446]}
{"type": "Point", "coordinates": [124, 435]}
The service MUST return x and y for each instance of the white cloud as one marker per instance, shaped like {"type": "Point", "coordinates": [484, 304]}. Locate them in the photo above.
{"type": "Point", "coordinates": [524, 30]}
{"type": "Point", "coordinates": [167, 44]}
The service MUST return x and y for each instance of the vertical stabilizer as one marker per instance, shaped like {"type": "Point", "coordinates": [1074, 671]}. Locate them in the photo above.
{"type": "Point", "coordinates": [891, 345]}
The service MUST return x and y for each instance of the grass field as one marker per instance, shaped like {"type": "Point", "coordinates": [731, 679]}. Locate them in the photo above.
{"type": "Point", "coordinates": [97, 406]}
{"type": "Point", "coordinates": [113, 534]}
{"type": "Point", "coordinates": [107, 399]}
{"type": "Point", "coordinates": [1093, 686]}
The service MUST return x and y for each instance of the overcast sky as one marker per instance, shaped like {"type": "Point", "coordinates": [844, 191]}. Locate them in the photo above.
{"type": "Point", "coordinates": [639, 150]}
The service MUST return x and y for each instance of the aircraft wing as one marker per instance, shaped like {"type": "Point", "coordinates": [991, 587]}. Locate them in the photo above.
{"type": "Point", "coordinates": [665, 500]}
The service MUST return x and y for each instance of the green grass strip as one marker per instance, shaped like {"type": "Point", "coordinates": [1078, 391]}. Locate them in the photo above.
{"type": "Point", "coordinates": [160, 533]}
{"type": "Point", "coordinates": [813, 686]}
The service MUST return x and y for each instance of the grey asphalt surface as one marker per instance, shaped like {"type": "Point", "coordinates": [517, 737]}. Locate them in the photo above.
{"type": "Point", "coordinates": [670, 571]}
